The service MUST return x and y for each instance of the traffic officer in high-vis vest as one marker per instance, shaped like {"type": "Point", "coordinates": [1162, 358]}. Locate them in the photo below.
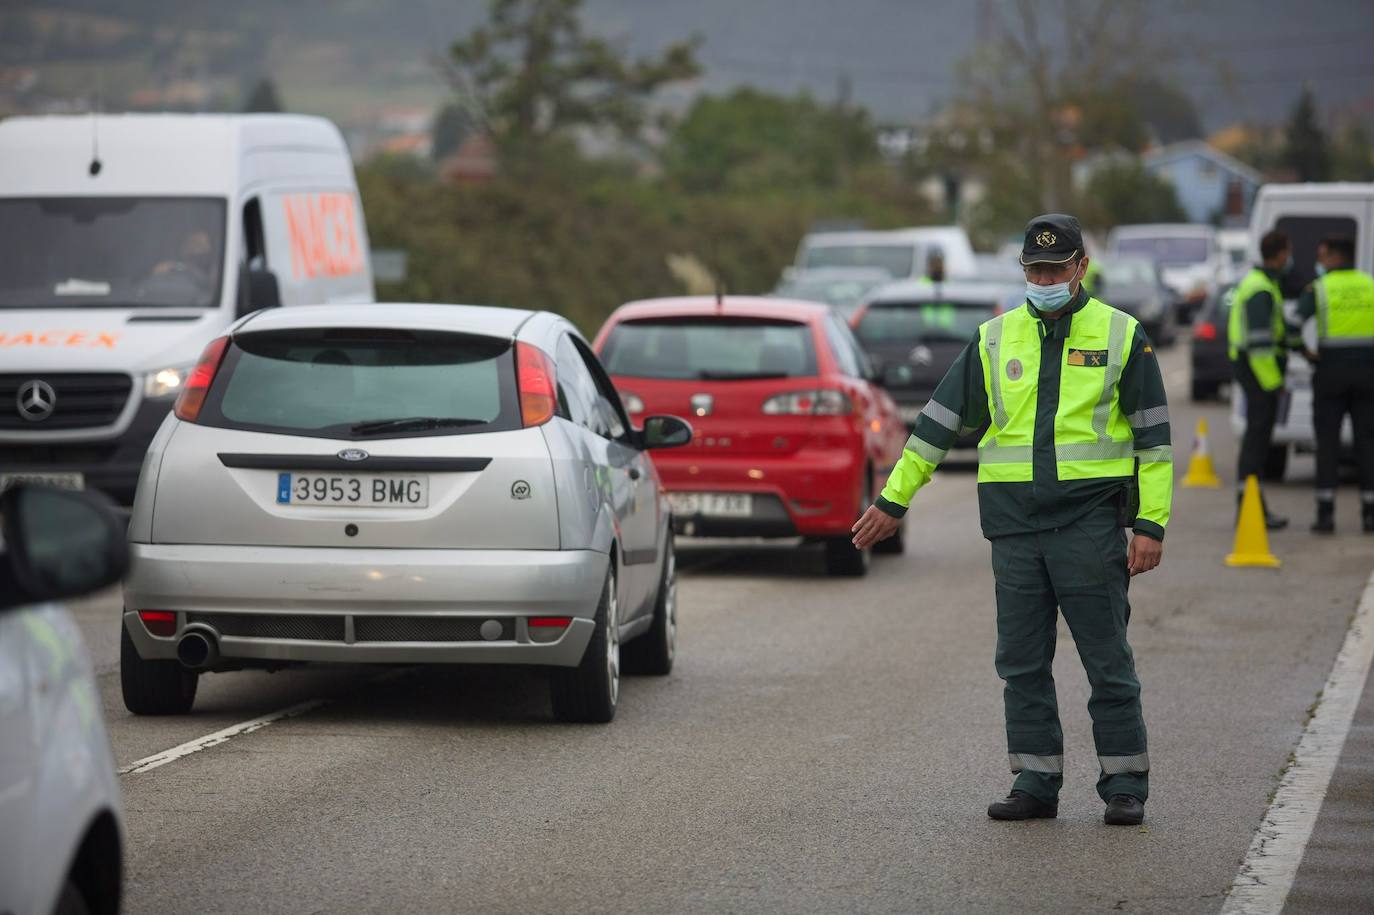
{"type": "Point", "coordinates": [1340, 302]}
{"type": "Point", "coordinates": [1077, 447]}
{"type": "Point", "coordinates": [1256, 340]}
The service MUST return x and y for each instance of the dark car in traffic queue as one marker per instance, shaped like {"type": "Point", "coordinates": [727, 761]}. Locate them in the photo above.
{"type": "Point", "coordinates": [913, 332]}
{"type": "Point", "coordinates": [793, 437]}
{"type": "Point", "coordinates": [1208, 360]}
{"type": "Point", "coordinates": [842, 288]}
{"type": "Point", "coordinates": [1134, 284]}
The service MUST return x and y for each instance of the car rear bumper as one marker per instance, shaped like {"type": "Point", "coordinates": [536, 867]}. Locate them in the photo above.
{"type": "Point", "coordinates": [811, 493]}
{"type": "Point", "coordinates": [370, 606]}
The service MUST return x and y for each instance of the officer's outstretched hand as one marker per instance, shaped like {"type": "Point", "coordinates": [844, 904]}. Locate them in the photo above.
{"type": "Point", "coordinates": [875, 525]}
{"type": "Point", "coordinates": [1144, 553]}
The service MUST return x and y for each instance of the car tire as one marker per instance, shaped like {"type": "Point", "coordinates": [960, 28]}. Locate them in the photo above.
{"type": "Point", "coordinates": [153, 687]}
{"type": "Point", "coordinates": [1275, 463]}
{"type": "Point", "coordinates": [589, 692]}
{"type": "Point", "coordinates": [71, 901]}
{"type": "Point", "coordinates": [894, 545]}
{"type": "Point", "coordinates": [653, 652]}
{"type": "Point", "coordinates": [1205, 390]}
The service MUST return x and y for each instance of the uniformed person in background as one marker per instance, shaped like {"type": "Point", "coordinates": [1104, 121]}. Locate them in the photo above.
{"type": "Point", "coordinates": [1078, 426]}
{"type": "Point", "coordinates": [935, 267]}
{"type": "Point", "coordinates": [1256, 342]}
{"type": "Point", "coordinates": [1340, 303]}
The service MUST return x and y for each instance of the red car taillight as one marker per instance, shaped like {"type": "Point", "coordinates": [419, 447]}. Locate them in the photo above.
{"type": "Point", "coordinates": [534, 376]}
{"type": "Point", "coordinates": [192, 397]}
{"type": "Point", "coordinates": [547, 628]}
{"type": "Point", "coordinates": [159, 622]}
{"type": "Point", "coordinates": [1205, 331]}
{"type": "Point", "coordinates": [822, 402]}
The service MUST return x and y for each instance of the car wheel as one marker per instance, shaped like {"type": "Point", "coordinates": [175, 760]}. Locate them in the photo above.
{"type": "Point", "coordinates": [894, 545]}
{"type": "Point", "coordinates": [1204, 390]}
{"type": "Point", "coordinates": [588, 693]}
{"type": "Point", "coordinates": [1275, 463]}
{"type": "Point", "coordinates": [71, 901]}
{"type": "Point", "coordinates": [153, 687]}
{"type": "Point", "coordinates": [653, 652]}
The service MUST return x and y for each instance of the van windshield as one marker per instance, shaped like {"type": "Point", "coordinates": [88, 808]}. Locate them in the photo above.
{"type": "Point", "coordinates": [897, 260]}
{"type": "Point", "coordinates": [1168, 251]}
{"type": "Point", "coordinates": [85, 252]}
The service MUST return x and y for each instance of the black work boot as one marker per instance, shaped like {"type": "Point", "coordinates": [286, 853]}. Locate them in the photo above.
{"type": "Point", "coordinates": [1272, 521]}
{"type": "Point", "coordinates": [1326, 518]}
{"type": "Point", "coordinates": [1021, 806]}
{"type": "Point", "coordinates": [1124, 810]}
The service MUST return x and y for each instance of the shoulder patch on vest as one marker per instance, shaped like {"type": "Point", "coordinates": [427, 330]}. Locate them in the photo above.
{"type": "Point", "coordinates": [1092, 358]}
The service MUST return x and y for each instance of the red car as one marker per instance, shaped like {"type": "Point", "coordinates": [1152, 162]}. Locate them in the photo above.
{"type": "Point", "coordinates": [792, 436]}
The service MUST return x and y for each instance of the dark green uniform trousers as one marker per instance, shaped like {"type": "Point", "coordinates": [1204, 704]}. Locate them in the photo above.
{"type": "Point", "coordinates": [1081, 570]}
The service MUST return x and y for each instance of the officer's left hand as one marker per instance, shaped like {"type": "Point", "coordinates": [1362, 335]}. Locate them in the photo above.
{"type": "Point", "coordinates": [1144, 553]}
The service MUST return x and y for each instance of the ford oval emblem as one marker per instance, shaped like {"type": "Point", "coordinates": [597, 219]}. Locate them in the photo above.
{"type": "Point", "coordinates": [353, 454]}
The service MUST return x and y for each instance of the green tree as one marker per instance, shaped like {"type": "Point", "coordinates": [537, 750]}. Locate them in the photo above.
{"type": "Point", "coordinates": [264, 97]}
{"type": "Point", "coordinates": [452, 125]}
{"type": "Point", "coordinates": [1306, 149]}
{"type": "Point", "coordinates": [1353, 156]}
{"type": "Point", "coordinates": [752, 140]}
{"type": "Point", "coordinates": [533, 73]}
{"type": "Point", "coordinates": [1124, 192]}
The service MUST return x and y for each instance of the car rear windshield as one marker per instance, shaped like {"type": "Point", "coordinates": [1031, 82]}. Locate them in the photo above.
{"type": "Point", "coordinates": [360, 384]}
{"type": "Point", "coordinates": [721, 349]}
{"type": "Point", "coordinates": [895, 259]}
{"type": "Point", "coordinates": [888, 322]}
{"type": "Point", "coordinates": [1168, 251]}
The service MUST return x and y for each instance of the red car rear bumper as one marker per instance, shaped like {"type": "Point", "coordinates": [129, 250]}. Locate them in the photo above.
{"type": "Point", "coordinates": [811, 493]}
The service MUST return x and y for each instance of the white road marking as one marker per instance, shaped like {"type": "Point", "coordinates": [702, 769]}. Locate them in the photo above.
{"type": "Point", "coordinates": [157, 760]}
{"type": "Point", "coordinates": [149, 763]}
{"type": "Point", "coordinates": [1271, 865]}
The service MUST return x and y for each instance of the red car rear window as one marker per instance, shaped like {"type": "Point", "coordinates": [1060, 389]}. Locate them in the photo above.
{"type": "Point", "coordinates": [720, 349]}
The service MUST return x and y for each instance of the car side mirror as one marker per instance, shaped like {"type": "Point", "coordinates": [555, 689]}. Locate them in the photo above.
{"type": "Point", "coordinates": [665, 432]}
{"type": "Point", "coordinates": [258, 289]}
{"type": "Point", "coordinates": [59, 543]}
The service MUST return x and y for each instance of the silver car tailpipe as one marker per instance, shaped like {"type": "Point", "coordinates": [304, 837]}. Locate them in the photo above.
{"type": "Point", "coordinates": [198, 649]}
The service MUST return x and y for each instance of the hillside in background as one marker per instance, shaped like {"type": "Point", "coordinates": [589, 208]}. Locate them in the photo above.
{"type": "Point", "coordinates": [371, 68]}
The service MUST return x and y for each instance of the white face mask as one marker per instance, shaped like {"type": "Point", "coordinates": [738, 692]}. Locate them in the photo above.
{"type": "Point", "coordinates": [1046, 299]}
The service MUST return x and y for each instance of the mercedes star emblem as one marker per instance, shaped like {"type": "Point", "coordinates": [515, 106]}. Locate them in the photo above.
{"type": "Point", "coordinates": [36, 400]}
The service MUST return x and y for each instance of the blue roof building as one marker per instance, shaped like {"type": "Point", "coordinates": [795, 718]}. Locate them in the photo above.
{"type": "Point", "coordinates": [1211, 186]}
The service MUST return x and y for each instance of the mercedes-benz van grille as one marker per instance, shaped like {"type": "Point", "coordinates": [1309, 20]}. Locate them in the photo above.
{"type": "Point", "coordinates": [49, 401]}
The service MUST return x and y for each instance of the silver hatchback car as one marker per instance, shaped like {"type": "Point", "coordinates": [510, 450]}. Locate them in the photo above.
{"type": "Point", "coordinates": [401, 484]}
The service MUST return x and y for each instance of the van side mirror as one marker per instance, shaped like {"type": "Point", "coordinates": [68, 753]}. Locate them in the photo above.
{"type": "Point", "coordinates": [665, 432]}
{"type": "Point", "coordinates": [258, 289]}
{"type": "Point", "coordinates": [59, 543]}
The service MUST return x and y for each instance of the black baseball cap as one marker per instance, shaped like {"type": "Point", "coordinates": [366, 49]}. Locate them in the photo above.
{"type": "Point", "coordinates": [1054, 238]}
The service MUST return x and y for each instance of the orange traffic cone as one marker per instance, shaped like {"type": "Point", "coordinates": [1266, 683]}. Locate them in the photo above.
{"type": "Point", "coordinates": [1202, 473]}
{"type": "Point", "coordinates": [1252, 539]}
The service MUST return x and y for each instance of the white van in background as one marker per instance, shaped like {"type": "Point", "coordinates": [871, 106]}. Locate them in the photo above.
{"type": "Point", "coordinates": [1306, 213]}
{"type": "Point", "coordinates": [131, 241]}
{"type": "Point", "coordinates": [900, 252]}
{"type": "Point", "coordinates": [1189, 257]}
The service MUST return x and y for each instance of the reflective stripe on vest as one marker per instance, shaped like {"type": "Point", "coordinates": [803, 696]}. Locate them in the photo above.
{"type": "Point", "coordinates": [1093, 439]}
{"type": "Point", "coordinates": [1239, 337]}
{"type": "Point", "coordinates": [1345, 309]}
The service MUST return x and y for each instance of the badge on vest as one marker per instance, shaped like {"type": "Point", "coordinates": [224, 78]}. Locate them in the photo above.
{"type": "Point", "coordinates": [1093, 358]}
{"type": "Point", "coordinates": [1014, 369]}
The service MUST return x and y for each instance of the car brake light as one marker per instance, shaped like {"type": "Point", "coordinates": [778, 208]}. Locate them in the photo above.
{"type": "Point", "coordinates": [159, 622]}
{"type": "Point", "coordinates": [192, 397]}
{"type": "Point", "coordinates": [534, 375]}
{"type": "Point", "coordinates": [1205, 331]}
{"type": "Point", "coordinates": [822, 402]}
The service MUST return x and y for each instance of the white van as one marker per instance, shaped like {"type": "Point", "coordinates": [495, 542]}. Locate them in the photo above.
{"type": "Point", "coordinates": [131, 241]}
{"type": "Point", "coordinates": [1189, 256]}
{"type": "Point", "coordinates": [1306, 213]}
{"type": "Point", "coordinates": [902, 253]}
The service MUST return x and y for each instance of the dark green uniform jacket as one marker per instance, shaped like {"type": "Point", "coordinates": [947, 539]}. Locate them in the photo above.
{"type": "Point", "coordinates": [961, 404]}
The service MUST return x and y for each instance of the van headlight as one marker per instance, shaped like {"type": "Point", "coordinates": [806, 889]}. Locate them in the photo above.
{"type": "Point", "coordinates": [165, 383]}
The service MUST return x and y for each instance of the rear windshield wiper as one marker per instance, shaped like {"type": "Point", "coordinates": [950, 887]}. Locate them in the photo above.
{"type": "Point", "coordinates": [412, 423]}
{"type": "Point", "coordinates": [739, 376]}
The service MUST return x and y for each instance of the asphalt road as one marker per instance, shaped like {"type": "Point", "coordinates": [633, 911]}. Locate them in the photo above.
{"type": "Point", "coordinates": [824, 745]}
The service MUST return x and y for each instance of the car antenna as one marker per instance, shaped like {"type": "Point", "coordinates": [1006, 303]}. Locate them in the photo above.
{"type": "Point", "coordinates": [720, 295]}
{"type": "Point", "coordinates": [95, 166]}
